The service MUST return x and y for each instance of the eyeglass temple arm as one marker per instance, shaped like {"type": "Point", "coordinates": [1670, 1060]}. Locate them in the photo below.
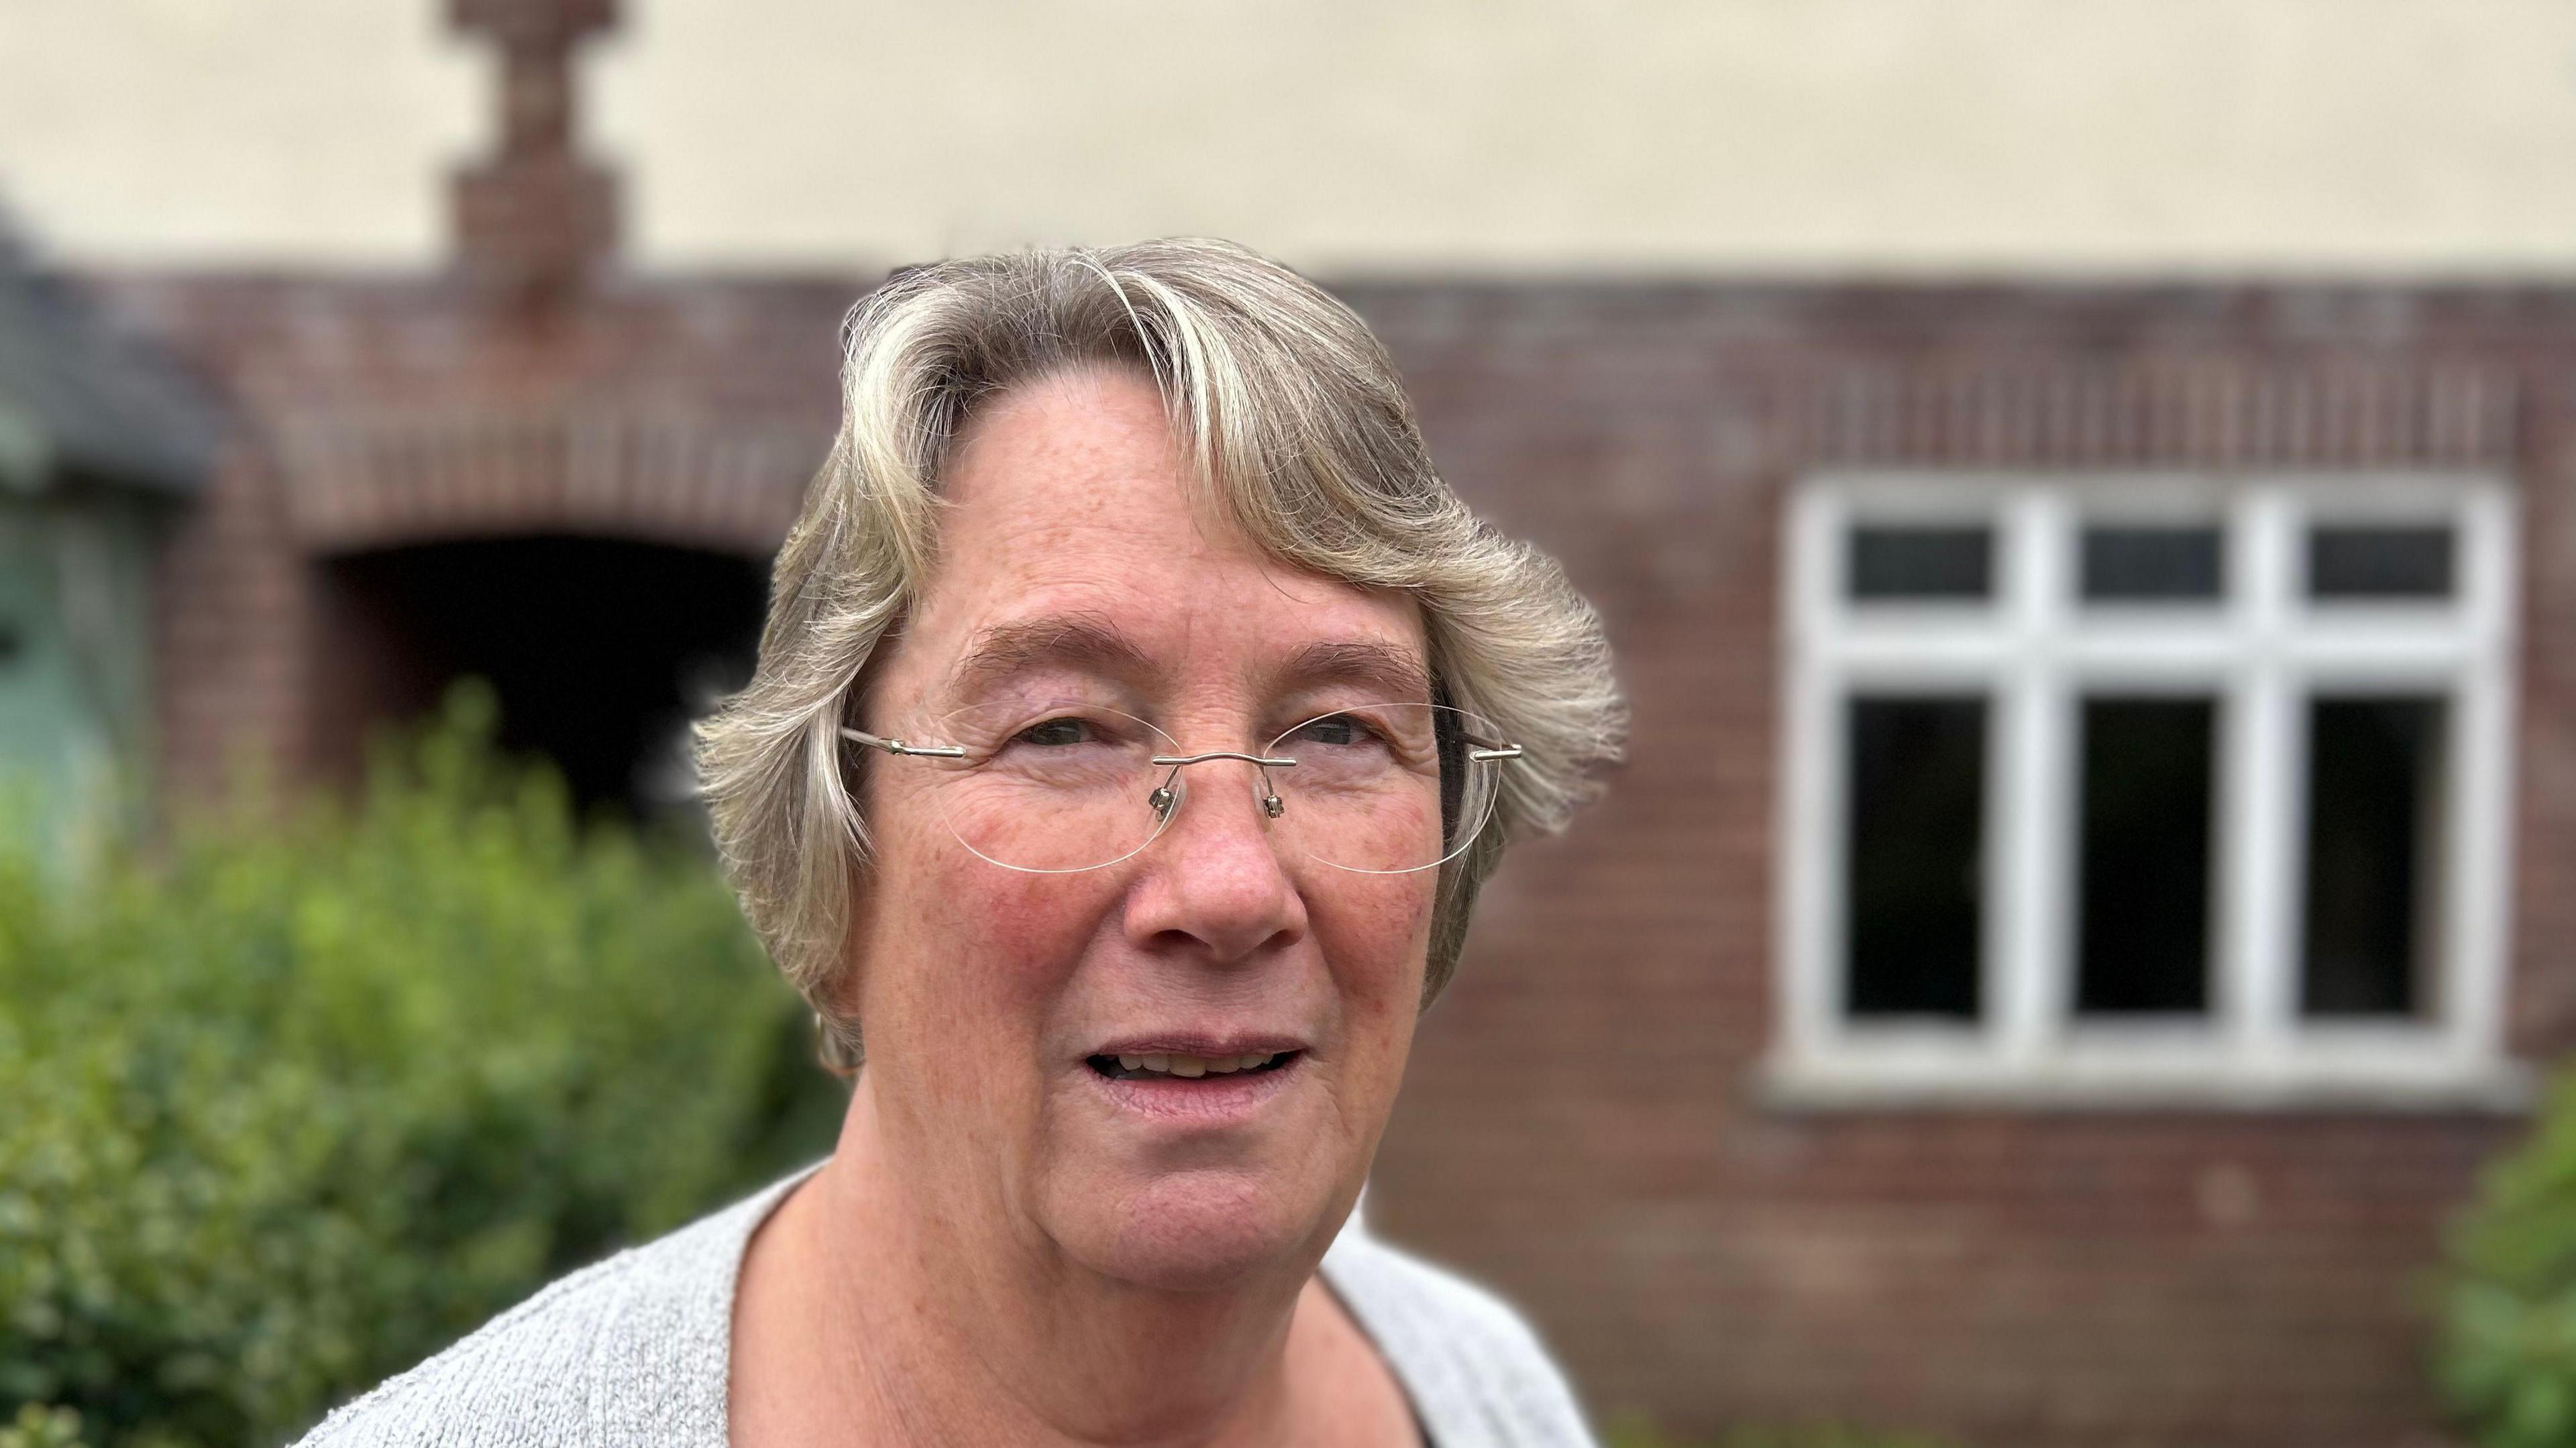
{"type": "Point", "coordinates": [897, 746]}
{"type": "Point", "coordinates": [1499, 751]}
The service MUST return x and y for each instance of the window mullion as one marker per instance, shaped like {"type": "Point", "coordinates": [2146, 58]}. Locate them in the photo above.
{"type": "Point", "coordinates": [2030, 829]}
{"type": "Point", "coordinates": [2266, 788]}
{"type": "Point", "coordinates": [1810, 904]}
{"type": "Point", "coordinates": [2478, 849]}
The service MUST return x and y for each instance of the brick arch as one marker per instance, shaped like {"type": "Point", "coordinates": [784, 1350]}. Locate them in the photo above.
{"type": "Point", "coordinates": [726, 485]}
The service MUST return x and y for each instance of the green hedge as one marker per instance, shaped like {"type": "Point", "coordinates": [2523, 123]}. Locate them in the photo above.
{"type": "Point", "coordinates": [2506, 1359]}
{"type": "Point", "coordinates": [301, 1099]}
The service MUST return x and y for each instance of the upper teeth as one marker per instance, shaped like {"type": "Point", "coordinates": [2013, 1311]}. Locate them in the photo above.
{"type": "Point", "coordinates": [1195, 1065]}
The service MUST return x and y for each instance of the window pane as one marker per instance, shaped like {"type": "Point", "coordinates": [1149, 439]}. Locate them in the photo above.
{"type": "Point", "coordinates": [2380, 562]}
{"type": "Point", "coordinates": [1947, 563]}
{"type": "Point", "coordinates": [2144, 893]}
{"type": "Point", "coordinates": [2151, 564]}
{"type": "Point", "coordinates": [2375, 791]}
{"type": "Point", "coordinates": [1917, 834]}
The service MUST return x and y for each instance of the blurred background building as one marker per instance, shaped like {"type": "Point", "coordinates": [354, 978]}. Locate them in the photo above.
{"type": "Point", "coordinates": [103, 442]}
{"type": "Point", "coordinates": [2081, 495]}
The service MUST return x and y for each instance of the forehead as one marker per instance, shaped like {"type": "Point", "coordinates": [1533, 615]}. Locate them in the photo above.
{"type": "Point", "coordinates": [1068, 501]}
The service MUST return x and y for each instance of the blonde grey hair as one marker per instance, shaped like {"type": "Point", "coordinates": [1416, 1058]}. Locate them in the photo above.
{"type": "Point", "coordinates": [1295, 423]}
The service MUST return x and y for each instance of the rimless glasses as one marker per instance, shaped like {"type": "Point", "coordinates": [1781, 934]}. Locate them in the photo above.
{"type": "Point", "coordinates": [1379, 789]}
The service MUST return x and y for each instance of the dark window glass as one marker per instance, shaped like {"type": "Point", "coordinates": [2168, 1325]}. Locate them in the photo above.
{"type": "Point", "coordinates": [2144, 893]}
{"type": "Point", "coordinates": [2152, 565]}
{"type": "Point", "coordinates": [1948, 563]}
{"type": "Point", "coordinates": [1917, 835]}
{"type": "Point", "coordinates": [2375, 790]}
{"type": "Point", "coordinates": [2351, 562]}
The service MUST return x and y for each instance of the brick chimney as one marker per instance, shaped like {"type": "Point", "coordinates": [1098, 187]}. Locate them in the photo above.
{"type": "Point", "coordinates": [535, 220]}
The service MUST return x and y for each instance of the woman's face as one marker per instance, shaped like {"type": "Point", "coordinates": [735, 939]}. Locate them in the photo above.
{"type": "Point", "coordinates": [1074, 566]}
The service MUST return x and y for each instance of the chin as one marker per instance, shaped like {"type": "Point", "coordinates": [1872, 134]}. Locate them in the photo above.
{"type": "Point", "coordinates": [1201, 1231]}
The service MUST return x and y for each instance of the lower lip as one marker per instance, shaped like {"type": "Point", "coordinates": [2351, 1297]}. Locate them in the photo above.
{"type": "Point", "coordinates": [1203, 1100]}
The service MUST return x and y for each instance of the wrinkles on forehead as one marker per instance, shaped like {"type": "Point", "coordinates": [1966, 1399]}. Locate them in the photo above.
{"type": "Point", "coordinates": [1090, 643]}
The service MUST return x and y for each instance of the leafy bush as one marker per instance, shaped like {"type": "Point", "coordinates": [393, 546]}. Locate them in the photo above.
{"type": "Point", "coordinates": [308, 1095]}
{"type": "Point", "coordinates": [42, 1427]}
{"type": "Point", "coordinates": [2506, 1358]}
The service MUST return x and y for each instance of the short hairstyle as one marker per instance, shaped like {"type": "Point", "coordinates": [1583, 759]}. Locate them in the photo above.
{"type": "Point", "coordinates": [1292, 416]}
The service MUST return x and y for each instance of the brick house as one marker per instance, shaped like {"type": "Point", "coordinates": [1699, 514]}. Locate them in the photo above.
{"type": "Point", "coordinates": [2088, 889]}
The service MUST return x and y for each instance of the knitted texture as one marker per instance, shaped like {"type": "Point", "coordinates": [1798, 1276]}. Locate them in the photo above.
{"type": "Point", "coordinates": [634, 1352]}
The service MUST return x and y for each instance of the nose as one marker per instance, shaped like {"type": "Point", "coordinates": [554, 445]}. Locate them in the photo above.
{"type": "Point", "coordinates": [1212, 883]}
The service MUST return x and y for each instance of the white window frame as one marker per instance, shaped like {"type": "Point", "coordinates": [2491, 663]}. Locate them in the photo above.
{"type": "Point", "coordinates": [2033, 650]}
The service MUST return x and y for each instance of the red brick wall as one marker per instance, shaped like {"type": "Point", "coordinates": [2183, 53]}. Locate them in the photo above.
{"type": "Point", "coordinates": [1581, 1125]}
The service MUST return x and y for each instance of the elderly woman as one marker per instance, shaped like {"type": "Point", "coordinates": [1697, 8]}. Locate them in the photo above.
{"type": "Point", "coordinates": [1136, 719]}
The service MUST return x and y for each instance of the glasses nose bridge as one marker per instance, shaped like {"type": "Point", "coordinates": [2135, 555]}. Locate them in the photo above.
{"type": "Point", "coordinates": [1170, 788]}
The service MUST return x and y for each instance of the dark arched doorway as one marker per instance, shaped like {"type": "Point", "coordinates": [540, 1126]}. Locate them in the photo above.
{"type": "Point", "coordinates": [601, 650]}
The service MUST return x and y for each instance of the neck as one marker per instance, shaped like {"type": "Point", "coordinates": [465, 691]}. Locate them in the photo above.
{"type": "Point", "coordinates": [964, 1325]}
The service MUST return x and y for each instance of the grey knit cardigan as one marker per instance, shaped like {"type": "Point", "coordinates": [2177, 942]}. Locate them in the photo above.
{"type": "Point", "coordinates": [634, 1353]}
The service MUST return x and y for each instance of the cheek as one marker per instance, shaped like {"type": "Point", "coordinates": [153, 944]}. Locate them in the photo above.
{"type": "Point", "coordinates": [1375, 931]}
{"type": "Point", "coordinates": [971, 956]}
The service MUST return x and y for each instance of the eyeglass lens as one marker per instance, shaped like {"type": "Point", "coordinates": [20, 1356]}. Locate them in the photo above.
{"type": "Point", "coordinates": [1380, 788]}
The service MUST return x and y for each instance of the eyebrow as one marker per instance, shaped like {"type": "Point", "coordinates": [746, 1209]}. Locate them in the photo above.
{"type": "Point", "coordinates": [1393, 670]}
{"type": "Point", "coordinates": [1086, 640]}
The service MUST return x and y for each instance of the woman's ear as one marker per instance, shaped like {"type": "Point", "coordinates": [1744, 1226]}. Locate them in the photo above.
{"type": "Point", "coordinates": [836, 1047]}
{"type": "Point", "coordinates": [837, 1042]}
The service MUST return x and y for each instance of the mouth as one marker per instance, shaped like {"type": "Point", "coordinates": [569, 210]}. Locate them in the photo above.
{"type": "Point", "coordinates": [1196, 1082]}
{"type": "Point", "coordinates": [1186, 1066]}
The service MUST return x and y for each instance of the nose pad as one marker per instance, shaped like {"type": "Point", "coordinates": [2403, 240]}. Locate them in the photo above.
{"type": "Point", "coordinates": [1167, 797]}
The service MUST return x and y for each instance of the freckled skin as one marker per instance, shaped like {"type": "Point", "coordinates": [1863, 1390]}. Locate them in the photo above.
{"type": "Point", "coordinates": [1068, 497]}
{"type": "Point", "coordinates": [999, 1251]}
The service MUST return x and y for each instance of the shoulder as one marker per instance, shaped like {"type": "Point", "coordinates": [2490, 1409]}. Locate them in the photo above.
{"type": "Point", "coordinates": [631, 1350]}
{"type": "Point", "coordinates": [1475, 1369]}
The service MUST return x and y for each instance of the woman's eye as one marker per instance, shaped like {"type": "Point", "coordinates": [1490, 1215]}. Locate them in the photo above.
{"type": "Point", "coordinates": [1339, 730]}
{"type": "Point", "coordinates": [1054, 732]}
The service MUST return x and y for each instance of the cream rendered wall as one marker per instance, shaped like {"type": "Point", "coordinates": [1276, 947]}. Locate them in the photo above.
{"type": "Point", "coordinates": [295, 131]}
{"type": "Point", "coordinates": [1888, 136]}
